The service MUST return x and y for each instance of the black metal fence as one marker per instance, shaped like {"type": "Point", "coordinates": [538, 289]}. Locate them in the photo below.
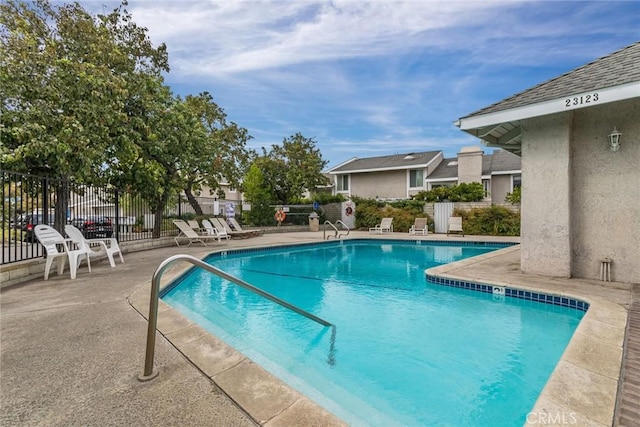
{"type": "Point", "coordinates": [28, 200]}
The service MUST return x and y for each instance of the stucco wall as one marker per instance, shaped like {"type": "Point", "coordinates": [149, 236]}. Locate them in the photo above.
{"type": "Point", "coordinates": [500, 186]}
{"type": "Point", "coordinates": [606, 191]}
{"type": "Point", "coordinates": [580, 201]}
{"type": "Point", "coordinates": [545, 219]}
{"type": "Point", "coordinates": [392, 184]}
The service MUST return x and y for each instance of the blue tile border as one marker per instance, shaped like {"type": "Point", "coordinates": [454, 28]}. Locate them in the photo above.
{"type": "Point", "coordinates": [512, 292]}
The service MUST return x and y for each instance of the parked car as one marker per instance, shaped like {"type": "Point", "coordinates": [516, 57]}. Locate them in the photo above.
{"type": "Point", "coordinates": [29, 223]}
{"type": "Point", "coordinates": [94, 226]}
{"type": "Point", "coordinates": [18, 221]}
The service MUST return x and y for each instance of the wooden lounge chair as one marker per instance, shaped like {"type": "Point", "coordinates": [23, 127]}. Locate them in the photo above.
{"type": "Point", "coordinates": [385, 226]}
{"type": "Point", "coordinates": [189, 233]}
{"type": "Point", "coordinates": [455, 225]}
{"type": "Point", "coordinates": [107, 246]}
{"type": "Point", "coordinates": [57, 247]}
{"type": "Point", "coordinates": [419, 227]}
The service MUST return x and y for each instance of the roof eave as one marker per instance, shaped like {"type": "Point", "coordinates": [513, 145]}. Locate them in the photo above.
{"type": "Point", "coordinates": [472, 123]}
{"type": "Point", "coordinates": [383, 169]}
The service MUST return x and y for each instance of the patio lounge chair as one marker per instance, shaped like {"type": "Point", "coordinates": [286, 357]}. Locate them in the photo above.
{"type": "Point", "coordinates": [238, 228]}
{"type": "Point", "coordinates": [107, 246]}
{"type": "Point", "coordinates": [189, 233]}
{"type": "Point", "coordinates": [419, 227]}
{"type": "Point", "coordinates": [211, 230]}
{"type": "Point", "coordinates": [52, 241]}
{"type": "Point", "coordinates": [385, 226]}
{"type": "Point", "coordinates": [455, 225]}
{"type": "Point", "coordinates": [240, 234]}
{"type": "Point", "coordinates": [221, 227]}
{"type": "Point", "coordinates": [196, 227]}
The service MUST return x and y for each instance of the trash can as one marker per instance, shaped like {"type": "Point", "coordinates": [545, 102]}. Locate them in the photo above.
{"type": "Point", "coordinates": [314, 222]}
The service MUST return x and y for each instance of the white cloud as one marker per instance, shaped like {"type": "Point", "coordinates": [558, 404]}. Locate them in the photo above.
{"type": "Point", "coordinates": [373, 77]}
{"type": "Point", "coordinates": [218, 37]}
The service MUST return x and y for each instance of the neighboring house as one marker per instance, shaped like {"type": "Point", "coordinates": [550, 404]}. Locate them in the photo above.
{"type": "Point", "coordinates": [498, 172]}
{"type": "Point", "coordinates": [581, 192]}
{"type": "Point", "coordinates": [386, 177]}
{"type": "Point", "coordinates": [401, 176]}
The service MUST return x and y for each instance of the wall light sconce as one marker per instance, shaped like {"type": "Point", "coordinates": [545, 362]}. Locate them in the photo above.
{"type": "Point", "coordinates": [614, 140]}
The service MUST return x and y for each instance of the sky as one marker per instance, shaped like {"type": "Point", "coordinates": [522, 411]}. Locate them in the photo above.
{"type": "Point", "coordinates": [373, 78]}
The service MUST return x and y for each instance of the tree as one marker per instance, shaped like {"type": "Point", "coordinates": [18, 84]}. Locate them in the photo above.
{"type": "Point", "coordinates": [170, 138]}
{"type": "Point", "coordinates": [220, 157]}
{"type": "Point", "coordinates": [257, 194]}
{"type": "Point", "coordinates": [66, 79]}
{"type": "Point", "coordinates": [293, 168]}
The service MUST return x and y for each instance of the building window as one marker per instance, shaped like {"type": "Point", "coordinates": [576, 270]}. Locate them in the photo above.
{"type": "Point", "coordinates": [416, 178]}
{"type": "Point", "coordinates": [517, 181]}
{"type": "Point", "coordinates": [343, 182]}
{"type": "Point", "coordinates": [486, 184]}
{"type": "Point", "coordinates": [232, 189]}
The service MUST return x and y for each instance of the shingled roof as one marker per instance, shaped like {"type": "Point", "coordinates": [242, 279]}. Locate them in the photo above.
{"type": "Point", "coordinates": [498, 161]}
{"type": "Point", "coordinates": [393, 162]}
{"type": "Point", "coordinates": [616, 69]}
{"type": "Point", "coordinates": [612, 78]}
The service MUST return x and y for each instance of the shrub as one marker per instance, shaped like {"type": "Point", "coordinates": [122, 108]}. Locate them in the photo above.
{"type": "Point", "coordinates": [370, 212]}
{"type": "Point", "coordinates": [464, 192]}
{"type": "Point", "coordinates": [326, 198]}
{"type": "Point", "coordinates": [492, 221]}
{"type": "Point", "coordinates": [514, 197]}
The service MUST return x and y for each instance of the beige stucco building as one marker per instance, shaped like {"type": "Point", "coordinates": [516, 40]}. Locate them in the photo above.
{"type": "Point", "coordinates": [400, 176]}
{"type": "Point", "coordinates": [580, 196]}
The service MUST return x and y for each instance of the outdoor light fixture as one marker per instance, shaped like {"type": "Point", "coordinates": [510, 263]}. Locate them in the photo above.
{"type": "Point", "coordinates": [614, 140]}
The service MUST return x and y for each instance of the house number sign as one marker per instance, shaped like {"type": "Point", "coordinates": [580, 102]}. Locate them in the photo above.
{"type": "Point", "coordinates": [582, 100]}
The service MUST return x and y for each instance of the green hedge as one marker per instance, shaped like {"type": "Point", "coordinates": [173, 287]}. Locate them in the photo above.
{"type": "Point", "coordinates": [369, 213]}
{"type": "Point", "coordinates": [492, 221]}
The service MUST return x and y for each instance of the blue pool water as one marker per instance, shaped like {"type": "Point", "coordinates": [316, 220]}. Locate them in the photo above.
{"type": "Point", "coordinates": [405, 351]}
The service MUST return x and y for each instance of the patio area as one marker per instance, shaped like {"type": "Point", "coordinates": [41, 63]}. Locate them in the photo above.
{"type": "Point", "coordinates": [72, 350]}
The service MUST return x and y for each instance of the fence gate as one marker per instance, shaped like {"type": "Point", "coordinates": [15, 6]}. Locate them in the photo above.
{"type": "Point", "coordinates": [441, 213]}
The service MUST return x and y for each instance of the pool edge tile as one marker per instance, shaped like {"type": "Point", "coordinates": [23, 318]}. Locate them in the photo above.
{"type": "Point", "coordinates": [261, 394]}
{"type": "Point", "coordinates": [595, 402]}
{"type": "Point", "coordinates": [306, 413]}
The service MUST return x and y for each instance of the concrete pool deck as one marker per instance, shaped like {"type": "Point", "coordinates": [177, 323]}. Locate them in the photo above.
{"type": "Point", "coordinates": [71, 350]}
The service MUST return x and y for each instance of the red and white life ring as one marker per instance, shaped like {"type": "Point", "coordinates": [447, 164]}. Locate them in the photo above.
{"type": "Point", "coordinates": [280, 215]}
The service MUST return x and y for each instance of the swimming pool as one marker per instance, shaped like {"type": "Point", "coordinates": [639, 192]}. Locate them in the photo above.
{"type": "Point", "coordinates": [405, 352]}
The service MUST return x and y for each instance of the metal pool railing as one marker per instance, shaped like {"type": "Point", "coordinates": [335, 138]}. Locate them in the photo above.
{"type": "Point", "coordinates": [148, 373]}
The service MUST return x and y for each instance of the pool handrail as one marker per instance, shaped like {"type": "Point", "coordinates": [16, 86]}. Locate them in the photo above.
{"type": "Point", "coordinates": [336, 231]}
{"type": "Point", "coordinates": [148, 373]}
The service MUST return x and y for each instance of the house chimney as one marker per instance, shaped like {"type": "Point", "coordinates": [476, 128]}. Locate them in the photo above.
{"type": "Point", "coordinates": [470, 164]}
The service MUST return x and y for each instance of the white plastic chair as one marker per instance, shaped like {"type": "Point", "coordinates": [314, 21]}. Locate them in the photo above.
{"type": "Point", "coordinates": [211, 230]}
{"type": "Point", "coordinates": [419, 226]}
{"type": "Point", "coordinates": [51, 240]}
{"type": "Point", "coordinates": [221, 228]}
{"type": "Point", "coordinates": [386, 225]}
{"type": "Point", "coordinates": [107, 246]}
{"type": "Point", "coordinates": [455, 225]}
